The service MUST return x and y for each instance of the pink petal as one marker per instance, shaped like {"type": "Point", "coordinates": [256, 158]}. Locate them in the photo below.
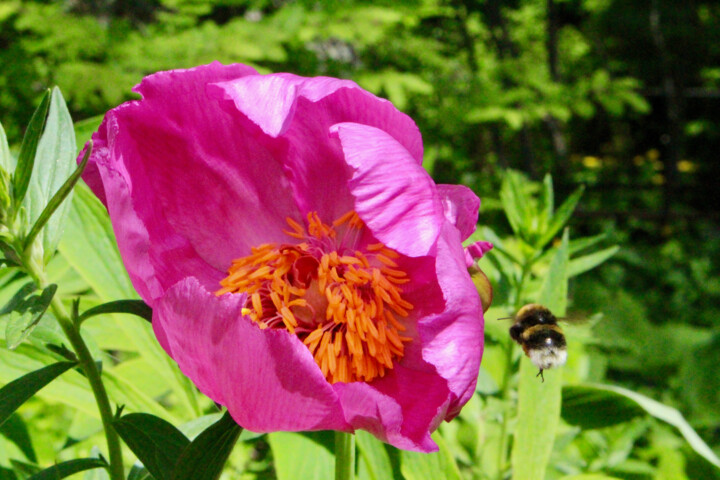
{"type": "Point", "coordinates": [267, 379]}
{"type": "Point", "coordinates": [401, 408]}
{"type": "Point", "coordinates": [394, 195]}
{"type": "Point", "coordinates": [297, 114]}
{"type": "Point", "coordinates": [461, 207]}
{"type": "Point", "coordinates": [476, 251]}
{"type": "Point", "coordinates": [203, 186]}
{"type": "Point", "coordinates": [453, 340]}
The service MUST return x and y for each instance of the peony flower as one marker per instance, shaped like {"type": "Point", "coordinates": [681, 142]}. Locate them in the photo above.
{"type": "Point", "coordinates": [303, 269]}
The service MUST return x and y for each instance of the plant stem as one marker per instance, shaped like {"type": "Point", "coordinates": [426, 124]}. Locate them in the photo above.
{"type": "Point", "coordinates": [344, 456]}
{"type": "Point", "coordinates": [87, 363]}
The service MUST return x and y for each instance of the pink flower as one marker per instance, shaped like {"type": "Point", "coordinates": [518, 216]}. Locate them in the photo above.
{"type": "Point", "coordinates": [303, 268]}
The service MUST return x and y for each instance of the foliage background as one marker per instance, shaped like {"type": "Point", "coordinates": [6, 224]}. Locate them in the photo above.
{"type": "Point", "coordinates": [620, 96]}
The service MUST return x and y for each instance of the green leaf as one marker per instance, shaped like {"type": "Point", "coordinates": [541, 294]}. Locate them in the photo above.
{"type": "Point", "coordinates": [25, 315]}
{"type": "Point", "coordinates": [560, 217]}
{"type": "Point", "coordinates": [590, 407]}
{"type": "Point", "coordinates": [138, 472]}
{"type": "Point", "coordinates": [60, 196]}
{"type": "Point", "coordinates": [668, 415]}
{"type": "Point", "coordinates": [205, 457]}
{"type": "Point", "coordinates": [515, 202]}
{"type": "Point", "coordinates": [20, 390]}
{"type": "Point", "coordinates": [429, 466]}
{"type": "Point", "coordinates": [374, 455]}
{"type": "Point", "coordinates": [133, 307]}
{"type": "Point", "coordinates": [65, 469]}
{"type": "Point", "coordinates": [54, 164]}
{"type": "Point", "coordinates": [28, 149]}
{"type": "Point", "coordinates": [7, 162]}
{"type": "Point", "coordinates": [155, 442]}
{"type": "Point", "coordinates": [553, 293]}
{"type": "Point", "coordinates": [15, 430]}
{"type": "Point", "coordinates": [547, 203]}
{"type": "Point", "coordinates": [299, 456]}
{"type": "Point", "coordinates": [84, 130]}
{"type": "Point", "coordinates": [589, 476]}
{"type": "Point", "coordinates": [588, 262]}
{"type": "Point", "coordinates": [539, 402]}
{"type": "Point", "coordinates": [7, 474]}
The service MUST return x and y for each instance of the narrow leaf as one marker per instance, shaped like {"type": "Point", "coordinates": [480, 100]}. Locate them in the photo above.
{"type": "Point", "coordinates": [26, 315]}
{"type": "Point", "coordinates": [65, 469]}
{"type": "Point", "coordinates": [20, 390]}
{"type": "Point", "coordinates": [132, 307]}
{"type": "Point", "coordinates": [15, 430]}
{"type": "Point", "coordinates": [205, 457]}
{"type": "Point", "coordinates": [54, 163]}
{"type": "Point", "coordinates": [590, 407]}
{"type": "Point", "coordinates": [154, 441]}
{"type": "Point", "coordinates": [26, 159]}
{"type": "Point", "coordinates": [60, 196]}
{"type": "Point", "coordinates": [560, 217]}
{"type": "Point", "coordinates": [539, 402]}
{"type": "Point", "coordinates": [514, 201]}
{"type": "Point", "coordinates": [7, 162]}
{"type": "Point", "coordinates": [547, 198]}
{"type": "Point", "coordinates": [590, 261]}
{"type": "Point", "coordinates": [668, 415]}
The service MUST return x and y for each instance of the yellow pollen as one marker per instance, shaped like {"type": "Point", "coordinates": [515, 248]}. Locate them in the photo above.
{"type": "Point", "coordinates": [345, 303]}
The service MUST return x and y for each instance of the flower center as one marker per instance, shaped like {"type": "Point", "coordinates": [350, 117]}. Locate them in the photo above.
{"type": "Point", "coordinates": [345, 305]}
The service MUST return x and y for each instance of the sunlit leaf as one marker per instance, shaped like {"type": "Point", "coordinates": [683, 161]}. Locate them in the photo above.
{"type": "Point", "coordinates": [591, 260]}
{"type": "Point", "coordinates": [560, 217]}
{"type": "Point", "coordinates": [429, 466]}
{"type": "Point", "coordinates": [539, 402]}
{"type": "Point", "coordinates": [299, 456]}
{"type": "Point", "coordinates": [7, 162]}
{"type": "Point", "coordinates": [374, 455]}
{"type": "Point", "coordinates": [54, 164]}
{"type": "Point", "coordinates": [25, 315]}
{"type": "Point", "coordinates": [52, 210]}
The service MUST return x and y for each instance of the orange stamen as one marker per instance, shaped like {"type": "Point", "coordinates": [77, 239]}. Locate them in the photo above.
{"type": "Point", "coordinates": [344, 304]}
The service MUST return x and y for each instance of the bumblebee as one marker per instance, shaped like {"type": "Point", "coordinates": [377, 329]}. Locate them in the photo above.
{"type": "Point", "coordinates": [537, 331]}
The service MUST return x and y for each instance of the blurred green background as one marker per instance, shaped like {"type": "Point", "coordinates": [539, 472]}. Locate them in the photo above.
{"type": "Point", "coordinates": [620, 96]}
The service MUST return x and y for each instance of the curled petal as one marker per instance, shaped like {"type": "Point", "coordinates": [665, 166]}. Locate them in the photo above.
{"type": "Point", "coordinates": [476, 251]}
{"type": "Point", "coordinates": [394, 196]}
{"type": "Point", "coordinates": [461, 207]}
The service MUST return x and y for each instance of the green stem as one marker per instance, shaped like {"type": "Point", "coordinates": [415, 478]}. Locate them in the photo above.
{"type": "Point", "coordinates": [87, 363]}
{"type": "Point", "coordinates": [344, 456]}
